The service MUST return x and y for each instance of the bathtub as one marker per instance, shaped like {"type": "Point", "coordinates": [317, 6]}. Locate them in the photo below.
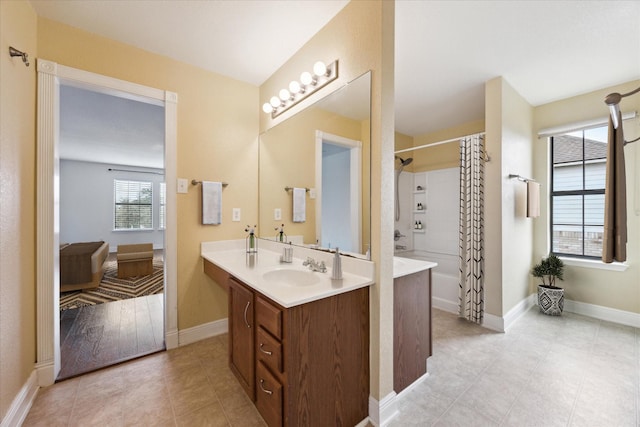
{"type": "Point", "coordinates": [444, 276]}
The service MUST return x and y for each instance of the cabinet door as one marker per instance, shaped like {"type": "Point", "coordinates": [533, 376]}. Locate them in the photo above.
{"type": "Point", "coordinates": [241, 336]}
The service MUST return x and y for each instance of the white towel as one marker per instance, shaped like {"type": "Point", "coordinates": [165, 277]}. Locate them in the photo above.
{"type": "Point", "coordinates": [533, 199]}
{"type": "Point", "coordinates": [211, 203]}
{"type": "Point", "coordinates": [299, 204]}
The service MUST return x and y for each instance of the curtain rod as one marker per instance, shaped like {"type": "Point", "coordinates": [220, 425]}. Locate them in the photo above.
{"type": "Point", "coordinates": [433, 144]}
{"type": "Point", "coordinates": [571, 127]}
{"type": "Point", "coordinates": [130, 170]}
{"type": "Point", "coordinates": [613, 100]}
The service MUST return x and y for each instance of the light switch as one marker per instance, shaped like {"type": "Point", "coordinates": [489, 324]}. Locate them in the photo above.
{"type": "Point", "coordinates": [277, 214]}
{"type": "Point", "coordinates": [236, 215]}
{"type": "Point", "coordinates": [183, 186]}
{"type": "Point", "coordinates": [312, 193]}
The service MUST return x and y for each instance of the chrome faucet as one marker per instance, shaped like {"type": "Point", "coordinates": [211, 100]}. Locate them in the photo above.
{"type": "Point", "coordinates": [314, 265]}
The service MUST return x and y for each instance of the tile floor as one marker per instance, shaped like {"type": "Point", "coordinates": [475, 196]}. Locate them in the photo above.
{"type": "Point", "coordinates": [546, 371]}
{"type": "Point", "coordinates": [188, 386]}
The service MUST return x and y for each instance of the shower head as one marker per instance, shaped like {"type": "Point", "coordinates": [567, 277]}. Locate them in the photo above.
{"type": "Point", "coordinates": [404, 162]}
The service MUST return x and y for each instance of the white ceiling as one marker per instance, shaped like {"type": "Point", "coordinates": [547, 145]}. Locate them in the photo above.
{"type": "Point", "coordinates": [445, 50]}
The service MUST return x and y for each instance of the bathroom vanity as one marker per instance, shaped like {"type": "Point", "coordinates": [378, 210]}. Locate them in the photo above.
{"type": "Point", "coordinates": [298, 341]}
{"type": "Point", "coordinates": [411, 321]}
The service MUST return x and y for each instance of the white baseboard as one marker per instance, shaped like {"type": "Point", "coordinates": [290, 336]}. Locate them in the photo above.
{"type": "Point", "coordinates": [22, 403]}
{"type": "Point", "coordinates": [171, 339]}
{"type": "Point", "coordinates": [518, 310]}
{"type": "Point", "coordinates": [382, 412]}
{"type": "Point", "coordinates": [200, 332]}
{"type": "Point", "coordinates": [45, 373]}
{"type": "Point", "coordinates": [495, 323]}
{"type": "Point", "coordinates": [603, 313]}
{"type": "Point", "coordinates": [444, 305]}
{"type": "Point", "coordinates": [412, 386]}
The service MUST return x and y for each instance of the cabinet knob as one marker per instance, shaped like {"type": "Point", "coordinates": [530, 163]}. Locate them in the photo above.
{"type": "Point", "coordinates": [264, 389]}
{"type": "Point", "coordinates": [264, 351]}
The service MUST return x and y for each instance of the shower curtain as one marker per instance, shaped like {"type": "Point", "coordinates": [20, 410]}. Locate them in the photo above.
{"type": "Point", "coordinates": [471, 230]}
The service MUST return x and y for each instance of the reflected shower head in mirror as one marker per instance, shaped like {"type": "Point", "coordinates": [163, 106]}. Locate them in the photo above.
{"type": "Point", "coordinates": [404, 162]}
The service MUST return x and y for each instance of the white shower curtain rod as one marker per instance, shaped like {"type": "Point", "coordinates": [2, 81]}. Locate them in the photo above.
{"type": "Point", "coordinates": [433, 144]}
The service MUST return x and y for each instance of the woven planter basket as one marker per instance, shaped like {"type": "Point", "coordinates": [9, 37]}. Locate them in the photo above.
{"type": "Point", "coordinates": [550, 300]}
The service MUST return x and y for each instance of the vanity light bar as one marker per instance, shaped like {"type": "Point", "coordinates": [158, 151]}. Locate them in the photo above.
{"type": "Point", "coordinates": [309, 83]}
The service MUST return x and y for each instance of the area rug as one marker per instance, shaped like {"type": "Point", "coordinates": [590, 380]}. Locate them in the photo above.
{"type": "Point", "coordinates": [113, 289]}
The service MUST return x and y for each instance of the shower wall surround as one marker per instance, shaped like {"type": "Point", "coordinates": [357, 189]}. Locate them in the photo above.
{"type": "Point", "coordinates": [437, 193]}
{"type": "Point", "coordinates": [437, 241]}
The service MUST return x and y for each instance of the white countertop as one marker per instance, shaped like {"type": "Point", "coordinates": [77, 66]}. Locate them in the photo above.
{"type": "Point", "coordinates": [405, 266]}
{"type": "Point", "coordinates": [231, 256]}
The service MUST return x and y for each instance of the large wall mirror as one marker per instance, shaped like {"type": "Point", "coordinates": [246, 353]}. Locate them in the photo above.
{"type": "Point", "coordinates": [324, 149]}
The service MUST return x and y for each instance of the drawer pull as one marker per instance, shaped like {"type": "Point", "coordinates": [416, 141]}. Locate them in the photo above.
{"type": "Point", "coordinates": [245, 314]}
{"type": "Point", "coordinates": [264, 389]}
{"type": "Point", "coordinates": [268, 353]}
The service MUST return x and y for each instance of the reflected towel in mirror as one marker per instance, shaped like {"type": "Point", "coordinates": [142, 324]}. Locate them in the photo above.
{"type": "Point", "coordinates": [211, 203]}
{"type": "Point", "coordinates": [299, 204]}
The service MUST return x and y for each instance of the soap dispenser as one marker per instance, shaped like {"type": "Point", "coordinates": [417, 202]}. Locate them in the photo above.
{"type": "Point", "coordinates": [281, 236]}
{"type": "Point", "coordinates": [251, 241]}
{"type": "Point", "coordinates": [336, 270]}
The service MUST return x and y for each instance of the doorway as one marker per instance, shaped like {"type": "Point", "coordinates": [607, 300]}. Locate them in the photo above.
{"type": "Point", "coordinates": [112, 192]}
{"type": "Point", "coordinates": [339, 192]}
{"type": "Point", "coordinates": [50, 77]}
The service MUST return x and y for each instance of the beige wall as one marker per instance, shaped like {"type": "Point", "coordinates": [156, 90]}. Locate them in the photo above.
{"type": "Point", "coordinates": [517, 229]}
{"type": "Point", "coordinates": [361, 38]}
{"type": "Point", "coordinates": [18, 26]}
{"type": "Point", "coordinates": [493, 198]}
{"type": "Point", "coordinates": [507, 230]}
{"type": "Point", "coordinates": [445, 155]}
{"type": "Point", "coordinates": [617, 290]}
{"type": "Point", "coordinates": [217, 140]}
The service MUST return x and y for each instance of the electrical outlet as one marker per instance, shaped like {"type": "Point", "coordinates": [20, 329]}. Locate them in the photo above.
{"type": "Point", "coordinates": [183, 186]}
{"type": "Point", "coordinates": [312, 193]}
{"type": "Point", "coordinates": [277, 214]}
{"type": "Point", "coordinates": [236, 215]}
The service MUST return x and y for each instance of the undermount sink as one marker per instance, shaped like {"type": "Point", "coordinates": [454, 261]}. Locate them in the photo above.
{"type": "Point", "coordinates": [291, 277]}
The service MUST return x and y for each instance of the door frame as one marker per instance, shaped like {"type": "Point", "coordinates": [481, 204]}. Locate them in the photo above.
{"type": "Point", "coordinates": [355, 182]}
{"type": "Point", "coordinates": [50, 76]}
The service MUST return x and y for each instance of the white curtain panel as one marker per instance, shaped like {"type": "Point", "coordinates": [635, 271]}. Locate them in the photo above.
{"type": "Point", "coordinates": [471, 251]}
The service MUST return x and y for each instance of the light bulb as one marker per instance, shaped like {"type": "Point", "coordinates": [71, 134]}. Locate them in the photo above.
{"type": "Point", "coordinates": [275, 101]}
{"type": "Point", "coordinates": [319, 68]}
{"type": "Point", "coordinates": [306, 78]}
{"type": "Point", "coordinates": [267, 108]}
{"type": "Point", "coordinates": [284, 94]}
{"type": "Point", "coordinates": [294, 87]}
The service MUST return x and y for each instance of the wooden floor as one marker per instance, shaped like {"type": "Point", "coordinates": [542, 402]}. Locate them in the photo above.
{"type": "Point", "coordinates": [97, 336]}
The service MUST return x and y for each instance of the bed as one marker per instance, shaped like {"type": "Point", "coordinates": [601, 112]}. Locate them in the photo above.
{"type": "Point", "coordinates": [82, 265]}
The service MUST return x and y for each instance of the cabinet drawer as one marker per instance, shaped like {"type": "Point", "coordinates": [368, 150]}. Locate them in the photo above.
{"type": "Point", "coordinates": [268, 396]}
{"type": "Point", "coordinates": [269, 317]}
{"type": "Point", "coordinates": [269, 351]}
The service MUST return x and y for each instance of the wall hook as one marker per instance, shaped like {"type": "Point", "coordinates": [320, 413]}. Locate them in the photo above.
{"type": "Point", "coordinates": [15, 52]}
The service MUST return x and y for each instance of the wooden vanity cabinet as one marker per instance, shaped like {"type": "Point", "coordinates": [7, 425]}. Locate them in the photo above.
{"type": "Point", "coordinates": [411, 328]}
{"type": "Point", "coordinates": [241, 335]}
{"type": "Point", "coordinates": [311, 360]}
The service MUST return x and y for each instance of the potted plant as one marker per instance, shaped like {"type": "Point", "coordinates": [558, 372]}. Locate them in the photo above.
{"type": "Point", "coordinates": [550, 296]}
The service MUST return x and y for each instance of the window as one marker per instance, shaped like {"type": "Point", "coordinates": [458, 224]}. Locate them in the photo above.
{"type": "Point", "coordinates": [578, 164]}
{"type": "Point", "coordinates": [163, 205]}
{"type": "Point", "coordinates": [133, 205]}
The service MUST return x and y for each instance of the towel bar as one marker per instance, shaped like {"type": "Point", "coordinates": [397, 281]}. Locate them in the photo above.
{"type": "Point", "coordinates": [195, 182]}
